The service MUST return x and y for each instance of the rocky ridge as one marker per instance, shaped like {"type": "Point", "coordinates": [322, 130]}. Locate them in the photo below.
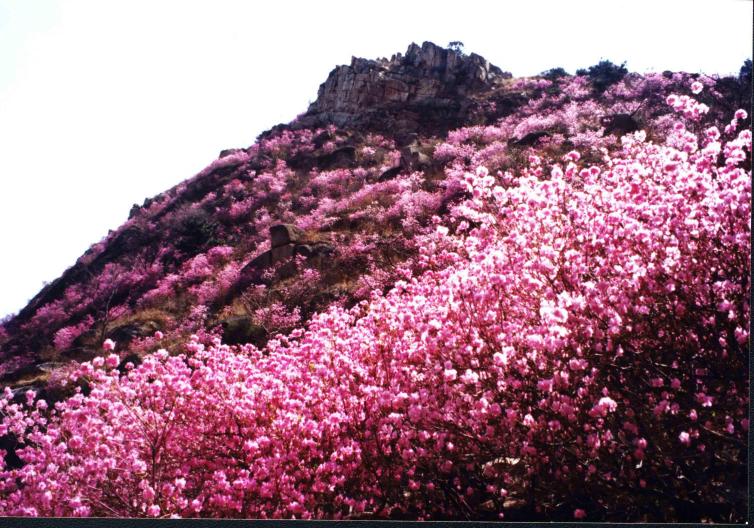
{"type": "Point", "coordinates": [427, 89]}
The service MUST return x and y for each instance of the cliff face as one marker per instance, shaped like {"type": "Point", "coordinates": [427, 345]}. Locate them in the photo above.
{"type": "Point", "coordinates": [429, 89]}
{"type": "Point", "coordinates": [423, 73]}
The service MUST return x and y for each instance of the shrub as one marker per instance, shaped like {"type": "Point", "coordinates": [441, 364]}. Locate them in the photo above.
{"type": "Point", "coordinates": [580, 339]}
{"type": "Point", "coordinates": [554, 73]}
{"type": "Point", "coordinates": [604, 74]}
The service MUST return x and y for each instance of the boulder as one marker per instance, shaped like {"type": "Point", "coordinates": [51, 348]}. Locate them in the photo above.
{"type": "Point", "coordinates": [241, 329]}
{"type": "Point", "coordinates": [251, 273]}
{"type": "Point", "coordinates": [282, 234]}
{"type": "Point", "coordinates": [619, 124]}
{"type": "Point", "coordinates": [280, 253]}
{"type": "Point", "coordinates": [228, 152]}
{"type": "Point", "coordinates": [132, 358]}
{"type": "Point", "coordinates": [322, 138]}
{"type": "Point", "coordinates": [414, 158]}
{"type": "Point", "coordinates": [529, 139]}
{"type": "Point", "coordinates": [342, 157]}
{"type": "Point", "coordinates": [305, 250]}
{"type": "Point", "coordinates": [390, 173]}
{"type": "Point", "coordinates": [126, 333]}
{"type": "Point", "coordinates": [259, 262]}
{"type": "Point", "coordinates": [322, 249]}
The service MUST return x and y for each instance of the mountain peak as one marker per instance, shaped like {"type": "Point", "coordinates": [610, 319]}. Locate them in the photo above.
{"type": "Point", "coordinates": [426, 78]}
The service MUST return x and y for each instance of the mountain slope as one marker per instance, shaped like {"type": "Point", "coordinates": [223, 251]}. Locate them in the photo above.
{"type": "Point", "coordinates": [564, 251]}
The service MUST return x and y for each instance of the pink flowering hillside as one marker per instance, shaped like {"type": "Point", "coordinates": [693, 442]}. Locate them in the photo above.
{"type": "Point", "coordinates": [441, 293]}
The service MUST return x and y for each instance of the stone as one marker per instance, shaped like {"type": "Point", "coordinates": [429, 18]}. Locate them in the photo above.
{"type": "Point", "coordinates": [282, 234]}
{"type": "Point", "coordinates": [132, 358]}
{"type": "Point", "coordinates": [414, 158]}
{"type": "Point", "coordinates": [389, 174]}
{"type": "Point", "coordinates": [259, 262]}
{"type": "Point", "coordinates": [126, 333]}
{"type": "Point", "coordinates": [304, 250]}
{"type": "Point", "coordinates": [322, 138]}
{"type": "Point", "coordinates": [228, 152]}
{"type": "Point", "coordinates": [241, 329]}
{"type": "Point", "coordinates": [378, 93]}
{"type": "Point", "coordinates": [50, 366]}
{"type": "Point", "coordinates": [342, 157]}
{"type": "Point", "coordinates": [529, 139]}
{"type": "Point", "coordinates": [618, 124]}
{"type": "Point", "coordinates": [282, 252]}
{"type": "Point", "coordinates": [252, 272]}
{"type": "Point", "coordinates": [322, 248]}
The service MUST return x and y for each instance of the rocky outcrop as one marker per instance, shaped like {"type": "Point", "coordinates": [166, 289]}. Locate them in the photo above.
{"type": "Point", "coordinates": [286, 241]}
{"type": "Point", "coordinates": [241, 329]}
{"type": "Point", "coordinates": [619, 124]}
{"type": "Point", "coordinates": [282, 234]}
{"type": "Point", "coordinates": [426, 72]}
{"type": "Point", "coordinates": [427, 88]}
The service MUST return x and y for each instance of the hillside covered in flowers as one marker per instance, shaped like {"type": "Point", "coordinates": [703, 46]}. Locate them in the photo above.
{"type": "Point", "coordinates": [440, 293]}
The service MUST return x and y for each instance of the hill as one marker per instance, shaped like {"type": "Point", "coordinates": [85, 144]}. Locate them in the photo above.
{"type": "Point", "coordinates": [440, 292]}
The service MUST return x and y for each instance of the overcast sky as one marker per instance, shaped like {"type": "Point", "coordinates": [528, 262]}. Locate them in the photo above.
{"type": "Point", "coordinates": [105, 103]}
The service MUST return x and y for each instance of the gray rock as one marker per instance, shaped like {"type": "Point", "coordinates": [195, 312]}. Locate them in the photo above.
{"type": "Point", "coordinates": [228, 152]}
{"type": "Point", "coordinates": [305, 250]}
{"type": "Point", "coordinates": [280, 253]}
{"type": "Point", "coordinates": [342, 157]}
{"type": "Point", "coordinates": [282, 234]}
{"type": "Point", "coordinates": [619, 124]}
{"type": "Point", "coordinates": [126, 333]}
{"type": "Point", "coordinates": [390, 174]}
{"type": "Point", "coordinates": [426, 71]}
{"type": "Point", "coordinates": [241, 329]}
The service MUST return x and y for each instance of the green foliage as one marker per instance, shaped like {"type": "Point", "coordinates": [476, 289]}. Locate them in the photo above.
{"type": "Point", "coordinates": [196, 230]}
{"type": "Point", "coordinates": [744, 75]}
{"type": "Point", "coordinates": [604, 74]}
{"type": "Point", "coordinates": [554, 73]}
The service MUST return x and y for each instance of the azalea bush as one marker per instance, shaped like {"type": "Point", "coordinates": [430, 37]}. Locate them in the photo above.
{"type": "Point", "coordinates": [569, 342]}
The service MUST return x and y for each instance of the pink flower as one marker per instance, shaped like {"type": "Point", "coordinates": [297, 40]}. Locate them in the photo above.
{"type": "Point", "coordinates": [740, 114]}
{"type": "Point", "coordinates": [108, 345]}
{"type": "Point", "coordinates": [684, 438]}
{"type": "Point", "coordinates": [696, 87]}
{"type": "Point", "coordinates": [572, 156]}
{"type": "Point", "coordinates": [112, 361]}
{"type": "Point", "coordinates": [578, 513]}
{"type": "Point", "coordinates": [153, 511]}
{"type": "Point", "coordinates": [158, 335]}
{"type": "Point", "coordinates": [450, 374]}
{"type": "Point", "coordinates": [470, 377]}
{"type": "Point", "coordinates": [607, 403]}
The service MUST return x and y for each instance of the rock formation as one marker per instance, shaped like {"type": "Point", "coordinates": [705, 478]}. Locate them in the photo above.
{"type": "Point", "coordinates": [429, 89]}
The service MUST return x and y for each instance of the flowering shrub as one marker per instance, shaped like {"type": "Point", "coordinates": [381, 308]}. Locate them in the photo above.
{"type": "Point", "coordinates": [65, 337]}
{"type": "Point", "coordinates": [572, 335]}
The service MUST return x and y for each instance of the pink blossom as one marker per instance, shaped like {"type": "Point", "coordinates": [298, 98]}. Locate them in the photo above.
{"type": "Point", "coordinates": [112, 361]}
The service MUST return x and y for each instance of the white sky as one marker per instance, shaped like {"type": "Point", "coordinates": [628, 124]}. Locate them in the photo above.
{"type": "Point", "coordinates": [105, 103]}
